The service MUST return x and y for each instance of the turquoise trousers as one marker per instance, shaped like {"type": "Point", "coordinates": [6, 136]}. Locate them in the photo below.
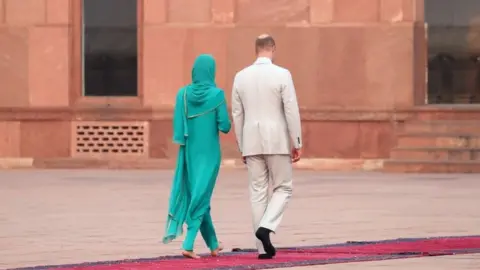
{"type": "Point", "coordinates": [206, 228]}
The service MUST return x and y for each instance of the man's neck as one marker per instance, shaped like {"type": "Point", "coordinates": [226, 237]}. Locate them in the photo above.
{"type": "Point", "coordinates": [264, 55]}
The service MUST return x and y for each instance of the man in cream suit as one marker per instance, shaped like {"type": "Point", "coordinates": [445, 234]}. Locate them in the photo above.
{"type": "Point", "coordinates": [268, 130]}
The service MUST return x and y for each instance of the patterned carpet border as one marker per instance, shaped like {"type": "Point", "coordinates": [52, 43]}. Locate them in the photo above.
{"type": "Point", "coordinates": [338, 261]}
{"type": "Point", "coordinates": [358, 243]}
{"type": "Point", "coordinates": [238, 251]}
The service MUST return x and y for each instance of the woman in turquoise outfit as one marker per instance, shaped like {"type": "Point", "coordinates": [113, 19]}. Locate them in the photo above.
{"type": "Point", "coordinates": [200, 113]}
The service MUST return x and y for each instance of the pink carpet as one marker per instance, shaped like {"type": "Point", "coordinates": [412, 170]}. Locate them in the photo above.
{"type": "Point", "coordinates": [290, 257]}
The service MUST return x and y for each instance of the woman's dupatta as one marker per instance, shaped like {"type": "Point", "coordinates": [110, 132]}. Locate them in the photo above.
{"type": "Point", "coordinates": [179, 197]}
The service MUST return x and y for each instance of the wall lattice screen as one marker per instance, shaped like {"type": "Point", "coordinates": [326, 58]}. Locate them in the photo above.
{"type": "Point", "coordinates": [110, 138]}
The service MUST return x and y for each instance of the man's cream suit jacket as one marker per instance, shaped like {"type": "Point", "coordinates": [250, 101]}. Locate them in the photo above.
{"type": "Point", "coordinates": [265, 110]}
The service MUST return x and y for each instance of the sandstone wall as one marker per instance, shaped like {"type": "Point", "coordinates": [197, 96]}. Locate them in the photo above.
{"type": "Point", "coordinates": [356, 65]}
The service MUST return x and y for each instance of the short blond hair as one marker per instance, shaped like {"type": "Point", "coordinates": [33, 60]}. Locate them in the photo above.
{"type": "Point", "coordinates": [264, 42]}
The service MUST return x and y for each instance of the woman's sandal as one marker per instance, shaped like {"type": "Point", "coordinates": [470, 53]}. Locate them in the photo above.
{"type": "Point", "coordinates": [216, 252]}
{"type": "Point", "coordinates": [190, 255]}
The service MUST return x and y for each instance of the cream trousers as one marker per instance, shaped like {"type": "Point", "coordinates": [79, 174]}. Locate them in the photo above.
{"type": "Point", "coordinates": [276, 171]}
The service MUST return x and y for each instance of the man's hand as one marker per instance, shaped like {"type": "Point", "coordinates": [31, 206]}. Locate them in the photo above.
{"type": "Point", "coordinates": [296, 154]}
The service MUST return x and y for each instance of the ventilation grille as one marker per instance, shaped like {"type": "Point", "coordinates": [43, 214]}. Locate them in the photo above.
{"type": "Point", "coordinates": [110, 138]}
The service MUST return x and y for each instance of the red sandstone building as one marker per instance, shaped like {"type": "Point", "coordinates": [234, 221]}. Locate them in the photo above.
{"type": "Point", "coordinates": [92, 83]}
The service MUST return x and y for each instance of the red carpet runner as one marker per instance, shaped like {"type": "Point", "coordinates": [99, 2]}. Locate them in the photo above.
{"type": "Point", "coordinates": [290, 257]}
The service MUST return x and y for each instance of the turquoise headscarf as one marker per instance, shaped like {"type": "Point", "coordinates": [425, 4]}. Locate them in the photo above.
{"type": "Point", "coordinates": [202, 94]}
{"type": "Point", "coordinates": [203, 80]}
{"type": "Point", "coordinates": [199, 97]}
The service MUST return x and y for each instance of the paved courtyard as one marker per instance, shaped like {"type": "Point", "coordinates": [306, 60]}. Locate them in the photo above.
{"type": "Point", "coordinates": [59, 217]}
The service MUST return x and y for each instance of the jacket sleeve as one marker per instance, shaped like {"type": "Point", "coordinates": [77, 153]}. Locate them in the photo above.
{"type": "Point", "coordinates": [237, 114]}
{"type": "Point", "coordinates": [292, 113]}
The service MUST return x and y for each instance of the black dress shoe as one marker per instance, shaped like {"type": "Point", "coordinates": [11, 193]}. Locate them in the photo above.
{"type": "Point", "coordinates": [265, 257]}
{"type": "Point", "coordinates": [263, 234]}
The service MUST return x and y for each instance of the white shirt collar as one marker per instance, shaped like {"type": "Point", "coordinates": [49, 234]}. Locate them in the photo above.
{"type": "Point", "coordinates": [263, 60]}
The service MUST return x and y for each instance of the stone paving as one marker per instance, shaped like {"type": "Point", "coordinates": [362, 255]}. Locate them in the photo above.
{"type": "Point", "coordinates": [59, 217]}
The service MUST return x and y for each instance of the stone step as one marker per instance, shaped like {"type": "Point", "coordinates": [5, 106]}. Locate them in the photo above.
{"type": "Point", "coordinates": [424, 166]}
{"type": "Point", "coordinates": [96, 163]}
{"type": "Point", "coordinates": [441, 127]}
{"type": "Point", "coordinates": [431, 140]}
{"type": "Point", "coordinates": [436, 154]}
{"type": "Point", "coordinates": [448, 112]}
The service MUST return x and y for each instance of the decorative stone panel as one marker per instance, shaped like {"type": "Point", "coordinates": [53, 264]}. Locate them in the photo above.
{"type": "Point", "coordinates": [111, 139]}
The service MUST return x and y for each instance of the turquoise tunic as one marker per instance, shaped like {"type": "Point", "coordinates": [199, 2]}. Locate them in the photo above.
{"type": "Point", "coordinates": [200, 113]}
